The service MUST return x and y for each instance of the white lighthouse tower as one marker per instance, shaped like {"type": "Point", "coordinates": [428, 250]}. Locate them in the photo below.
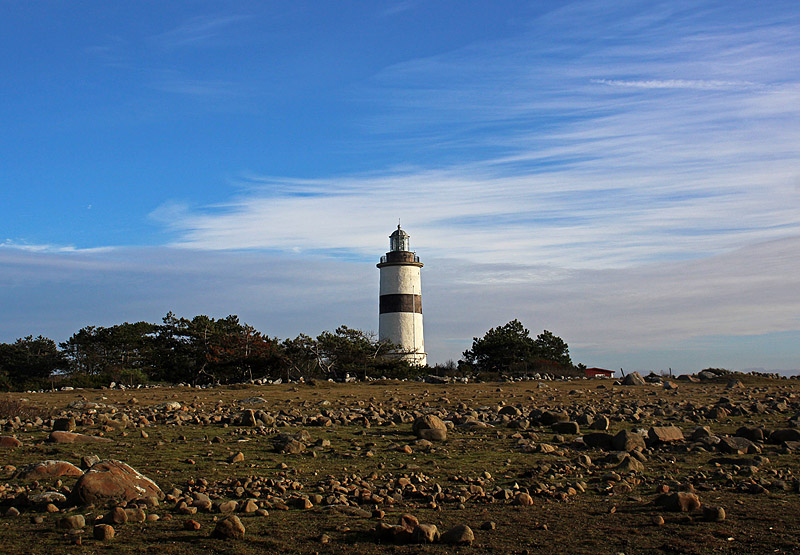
{"type": "Point", "coordinates": [400, 318]}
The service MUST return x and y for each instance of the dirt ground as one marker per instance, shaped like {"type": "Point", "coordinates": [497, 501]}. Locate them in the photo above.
{"type": "Point", "coordinates": [359, 446]}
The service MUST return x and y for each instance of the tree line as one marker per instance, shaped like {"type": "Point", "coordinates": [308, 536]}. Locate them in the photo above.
{"type": "Point", "coordinates": [204, 350]}
{"type": "Point", "coordinates": [199, 350]}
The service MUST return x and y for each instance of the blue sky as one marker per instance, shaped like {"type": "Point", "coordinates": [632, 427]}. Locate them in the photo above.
{"type": "Point", "coordinates": [623, 174]}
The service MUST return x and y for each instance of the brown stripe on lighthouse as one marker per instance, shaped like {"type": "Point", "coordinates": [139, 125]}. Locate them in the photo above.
{"type": "Point", "coordinates": [400, 302]}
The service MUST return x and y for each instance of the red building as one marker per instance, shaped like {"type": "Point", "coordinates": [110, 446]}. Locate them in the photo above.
{"type": "Point", "coordinates": [598, 373]}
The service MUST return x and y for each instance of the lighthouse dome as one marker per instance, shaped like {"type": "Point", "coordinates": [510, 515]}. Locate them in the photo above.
{"type": "Point", "coordinates": [399, 240]}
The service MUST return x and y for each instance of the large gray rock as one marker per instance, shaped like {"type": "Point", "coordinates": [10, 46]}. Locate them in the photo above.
{"type": "Point", "coordinates": [458, 535]}
{"type": "Point", "coordinates": [737, 446]}
{"type": "Point", "coordinates": [566, 428]}
{"type": "Point", "coordinates": [787, 434]}
{"type": "Point", "coordinates": [598, 440]}
{"type": "Point", "coordinates": [665, 434]}
{"type": "Point", "coordinates": [634, 378]}
{"type": "Point", "coordinates": [430, 427]}
{"type": "Point", "coordinates": [48, 469]}
{"type": "Point", "coordinates": [229, 528]}
{"type": "Point", "coordinates": [110, 482]}
{"type": "Point", "coordinates": [626, 440]}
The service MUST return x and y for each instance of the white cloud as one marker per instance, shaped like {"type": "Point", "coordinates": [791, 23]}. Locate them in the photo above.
{"type": "Point", "coordinates": [678, 84]}
{"type": "Point", "coordinates": [672, 311]}
{"type": "Point", "coordinates": [569, 147]}
{"type": "Point", "coordinates": [48, 248]}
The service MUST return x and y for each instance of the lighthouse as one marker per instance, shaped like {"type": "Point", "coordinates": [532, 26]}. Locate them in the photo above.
{"type": "Point", "coordinates": [400, 320]}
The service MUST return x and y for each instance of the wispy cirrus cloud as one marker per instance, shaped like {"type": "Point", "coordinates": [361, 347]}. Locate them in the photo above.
{"type": "Point", "coordinates": [678, 84]}
{"type": "Point", "coordinates": [197, 31]}
{"type": "Point", "coordinates": [48, 248]}
{"type": "Point", "coordinates": [566, 144]}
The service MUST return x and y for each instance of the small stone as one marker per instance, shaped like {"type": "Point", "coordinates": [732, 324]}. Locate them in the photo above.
{"type": "Point", "coordinates": [135, 515]}
{"type": "Point", "coordinates": [713, 514]}
{"type": "Point", "coordinates": [192, 525]}
{"type": "Point", "coordinates": [238, 457]}
{"type": "Point", "coordinates": [250, 506]}
{"type": "Point", "coordinates": [302, 503]}
{"type": "Point", "coordinates": [74, 522]}
{"type": "Point", "coordinates": [88, 461]}
{"type": "Point", "coordinates": [227, 506]}
{"type": "Point", "coordinates": [523, 499]}
{"type": "Point", "coordinates": [658, 520]}
{"type": "Point", "coordinates": [12, 511]}
{"type": "Point", "coordinates": [103, 532]}
{"type": "Point", "coordinates": [117, 515]}
{"type": "Point", "coordinates": [488, 525]}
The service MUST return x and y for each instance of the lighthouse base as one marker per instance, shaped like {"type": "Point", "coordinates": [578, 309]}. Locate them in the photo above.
{"type": "Point", "coordinates": [414, 359]}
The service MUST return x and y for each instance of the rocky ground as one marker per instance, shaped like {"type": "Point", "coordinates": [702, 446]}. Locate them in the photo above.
{"type": "Point", "coordinates": [587, 466]}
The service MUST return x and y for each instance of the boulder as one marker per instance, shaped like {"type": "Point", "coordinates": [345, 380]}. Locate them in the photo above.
{"type": "Point", "coordinates": [549, 418]}
{"type": "Point", "coordinates": [680, 502]}
{"type": "Point", "coordinates": [737, 446]}
{"type": "Point", "coordinates": [601, 422]}
{"type": "Point", "coordinates": [72, 437]}
{"type": "Point", "coordinates": [64, 424]}
{"type": "Point", "coordinates": [634, 378]}
{"type": "Point", "coordinates": [571, 428]}
{"type": "Point", "coordinates": [626, 440]}
{"type": "Point", "coordinates": [110, 482]}
{"type": "Point", "coordinates": [752, 433]}
{"type": "Point", "coordinates": [629, 464]}
{"type": "Point", "coordinates": [426, 533]}
{"type": "Point", "coordinates": [430, 427]}
{"type": "Point", "coordinates": [247, 418]}
{"type": "Point", "coordinates": [787, 434]}
{"type": "Point", "coordinates": [292, 444]}
{"type": "Point", "coordinates": [48, 469]}
{"type": "Point", "coordinates": [9, 442]}
{"type": "Point", "coordinates": [598, 440]}
{"type": "Point", "coordinates": [665, 434]}
{"type": "Point", "coordinates": [460, 534]}
{"type": "Point", "coordinates": [229, 528]}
